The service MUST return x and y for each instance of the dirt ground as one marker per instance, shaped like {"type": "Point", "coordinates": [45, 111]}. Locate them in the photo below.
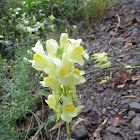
{"type": "Point", "coordinates": [111, 110]}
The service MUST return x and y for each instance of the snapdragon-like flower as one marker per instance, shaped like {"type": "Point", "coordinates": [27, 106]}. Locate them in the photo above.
{"type": "Point", "coordinates": [64, 42]}
{"type": "Point", "coordinates": [75, 52]}
{"type": "Point", "coordinates": [40, 60]}
{"type": "Point", "coordinates": [52, 47]}
{"type": "Point", "coordinates": [68, 109]}
{"type": "Point", "coordinates": [51, 83]}
{"type": "Point", "coordinates": [53, 102]}
{"type": "Point", "coordinates": [67, 74]}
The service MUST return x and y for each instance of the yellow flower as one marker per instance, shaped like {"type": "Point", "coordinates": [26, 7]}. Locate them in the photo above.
{"type": "Point", "coordinates": [51, 83]}
{"type": "Point", "coordinates": [52, 47]}
{"type": "Point", "coordinates": [76, 71]}
{"type": "Point", "coordinates": [65, 76]}
{"type": "Point", "coordinates": [68, 109]}
{"type": "Point", "coordinates": [79, 73]}
{"type": "Point", "coordinates": [64, 71]}
{"type": "Point", "coordinates": [75, 52]}
{"type": "Point", "coordinates": [64, 43]}
{"type": "Point", "coordinates": [53, 102]}
{"type": "Point", "coordinates": [40, 60]}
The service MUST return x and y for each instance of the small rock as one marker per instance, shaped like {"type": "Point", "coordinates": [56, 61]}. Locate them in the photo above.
{"type": "Point", "coordinates": [91, 114]}
{"type": "Point", "coordinates": [88, 75]}
{"type": "Point", "coordinates": [123, 123]}
{"type": "Point", "coordinates": [108, 107]}
{"type": "Point", "coordinates": [131, 115]}
{"type": "Point", "coordinates": [135, 106]}
{"type": "Point", "coordinates": [123, 134]}
{"type": "Point", "coordinates": [87, 108]}
{"type": "Point", "coordinates": [116, 52]}
{"type": "Point", "coordinates": [100, 88]}
{"type": "Point", "coordinates": [87, 122]}
{"type": "Point", "coordinates": [138, 114]}
{"type": "Point", "coordinates": [137, 132]}
{"type": "Point", "coordinates": [104, 111]}
{"type": "Point", "coordinates": [116, 123]}
{"type": "Point", "coordinates": [117, 40]}
{"type": "Point", "coordinates": [131, 86]}
{"type": "Point", "coordinates": [124, 93]}
{"type": "Point", "coordinates": [113, 129]}
{"type": "Point", "coordinates": [116, 109]}
{"type": "Point", "coordinates": [111, 137]}
{"type": "Point", "coordinates": [136, 123]}
{"type": "Point", "coordinates": [112, 112]}
{"type": "Point", "coordinates": [81, 133]}
{"type": "Point", "coordinates": [138, 83]}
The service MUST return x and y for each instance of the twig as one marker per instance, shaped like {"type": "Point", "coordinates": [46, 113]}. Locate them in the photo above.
{"type": "Point", "coordinates": [58, 132]}
{"type": "Point", "coordinates": [116, 29]}
{"type": "Point", "coordinates": [37, 122]}
{"type": "Point", "coordinates": [29, 127]}
{"type": "Point", "coordinates": [100, 128]}
{"type": "Point", "coordinates": [118, 25]}
{"type": "Point", "coordinates": [92, 71]}
{"type": "Point", "coordinates": [130, 96]}
{"type": "Point", "coordinates": [41, 128]}
{"type": "Point", "coordinates": [93, 76]}
{"type": "Point", "coordinates": [50, 136]}
{"type": "Point", "coordinates": [134, 67]}
{"type": "Point", "coordinates": [89, 134]}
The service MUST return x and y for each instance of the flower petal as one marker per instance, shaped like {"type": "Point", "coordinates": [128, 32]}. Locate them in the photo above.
{"type": "Point", "coordinates": [64, 43]}
{"type": "Point", "coordinates": [66, 117]}
{"type": "Point", "coordinates": [39, 49]}
{"type": "Point", "coordinates": [51, 46]}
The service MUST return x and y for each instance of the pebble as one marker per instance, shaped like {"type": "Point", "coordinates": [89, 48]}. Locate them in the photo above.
{"type": "Point", "coordinates": [131, 115]}
{"type": "Point", "coordinates": [91, 114]}
{"type": "Point", "coordinates": [104, 111]}
{"type": "Point", "coordinates": [81, 133]}
{"type": "Point", "coordinates": [136, 123]}
{"type": "Point", "coordinates": [112, 137]}
{"type": "Point", "coordinates": [112, 112]}
{"type": "Point", "coordinates": [100, 88]}
{"type": "Point", "coordinates": [108, 107]}
{"type": "Point", "coordinates": [135, 106]}
{"type": "Point", "coordinates": [113, 129]}
{"type": "Point", "coordinates": [87, 122]}
{"type": "Point", "coordinates": [87, 108]}
{"type": "Point", "coordinates": [117, 40]}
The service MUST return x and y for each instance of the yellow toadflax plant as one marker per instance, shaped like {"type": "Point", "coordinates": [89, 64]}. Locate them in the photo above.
{"type": "Point", "coordinates": [58, 62]}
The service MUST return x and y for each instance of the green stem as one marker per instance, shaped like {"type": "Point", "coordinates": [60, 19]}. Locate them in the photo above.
{"type": "Point", "coordinates": [68, 130]}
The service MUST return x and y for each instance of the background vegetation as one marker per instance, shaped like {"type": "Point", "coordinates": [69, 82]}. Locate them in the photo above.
{"type": "Point", "coordinates": [22, 24]}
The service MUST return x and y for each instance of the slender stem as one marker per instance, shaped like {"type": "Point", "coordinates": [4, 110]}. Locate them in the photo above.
{"type": "Point", "coordinates": [68, 130]}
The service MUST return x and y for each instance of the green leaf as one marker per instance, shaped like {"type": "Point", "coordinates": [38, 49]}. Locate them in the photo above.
{"type": "Point", "coordinates": [29, 1]}
{"type": "Point", "coordinates": [7, 43]}
{"type": "Point", "coordinates": [59, 53]}
{"type": "Point", "coordinates": [44, 93]}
